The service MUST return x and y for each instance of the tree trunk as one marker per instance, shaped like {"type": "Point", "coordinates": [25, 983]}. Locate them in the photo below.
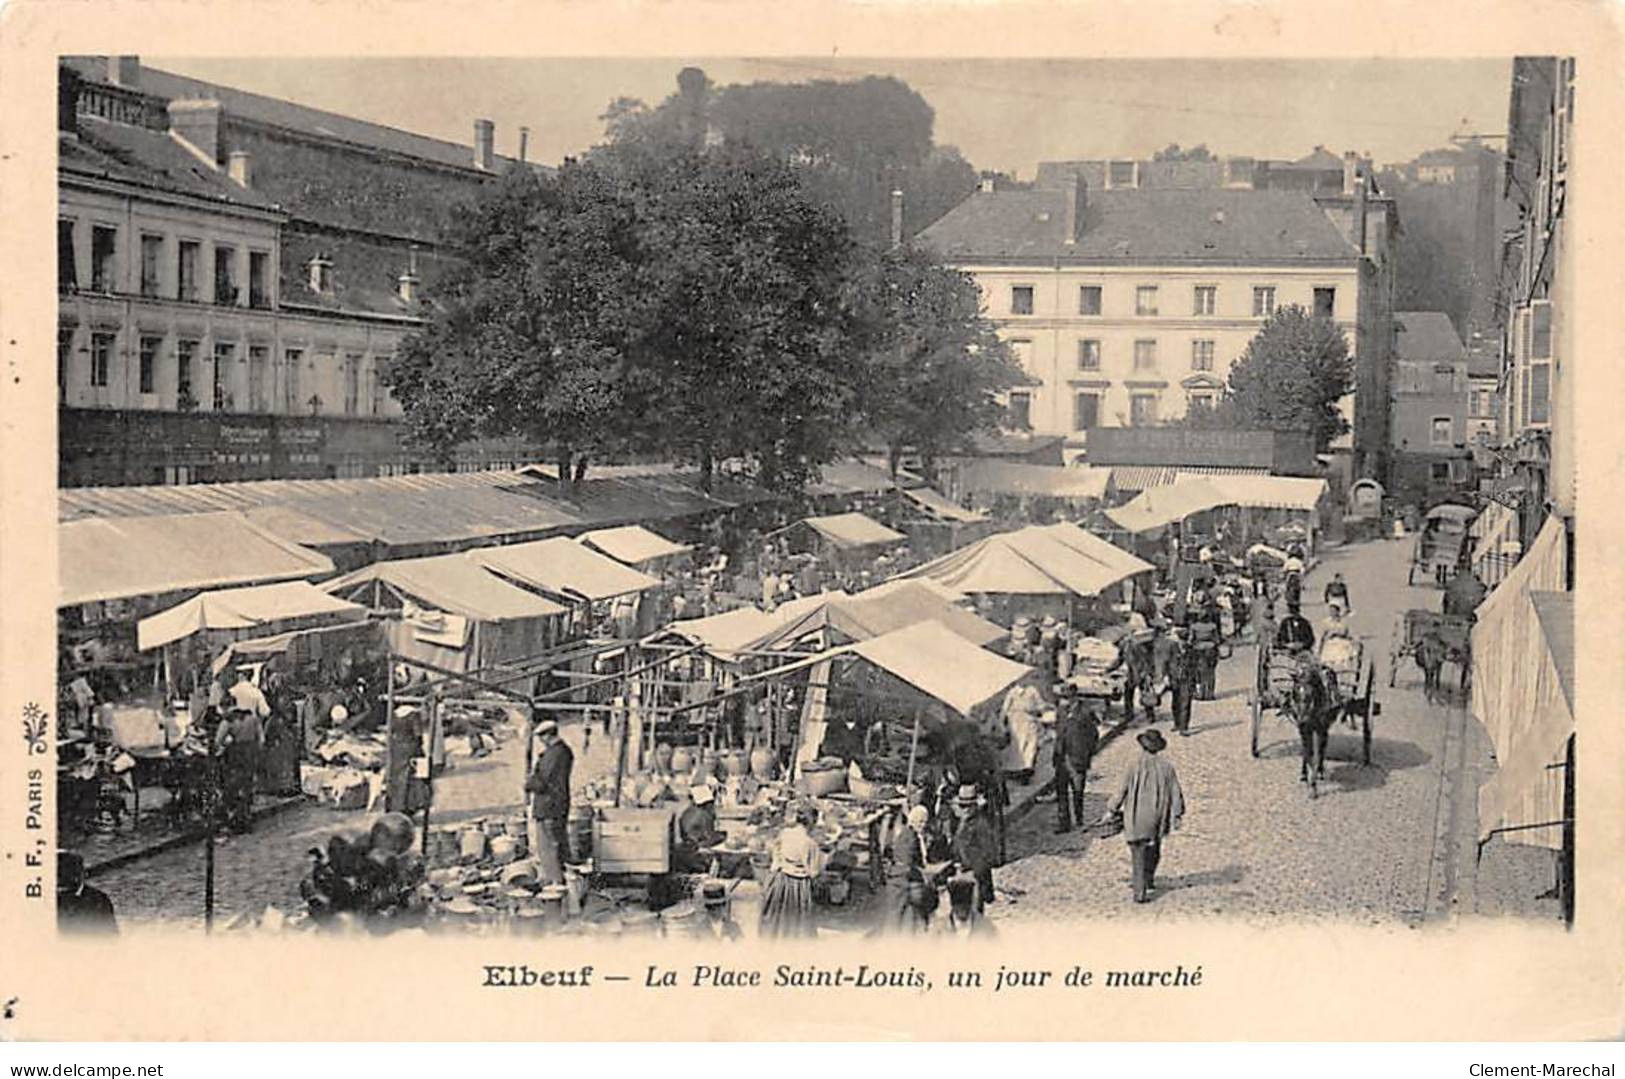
{"type": "Point", "coordinates": [581, 470]}
{"type": "Point", "coordinates": [565, 456]}
{"type": "Point", "coordinates": [894, 459]}
{"type": "Point", "coordinates": [706, 468]}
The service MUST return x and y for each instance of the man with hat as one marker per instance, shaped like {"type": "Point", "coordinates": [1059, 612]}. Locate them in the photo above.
{"type": "Point", "coordinates": [1151, 806]}
{"type": "Point", "coordinates": [80, 907]}
{"type": "Point", "coordinates": [696, 831]}
{"type": "Point", "coordinates": [238, 743]}
{"type": "Point", "coordinates": [1076, 738]}
{"type": "Point", "coordinates": [1294, 634]}
{"type": "Point", "coordinates": [973, 845]}
{"type": "Point", "coordinates": [549, 790]}
{"type": "Point", "coordinates": [1183, 668]}
{"type": "Point", "coordinates": [718, 917]}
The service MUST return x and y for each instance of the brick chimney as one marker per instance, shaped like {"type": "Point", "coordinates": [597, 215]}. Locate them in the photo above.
{"type": "Point", "coordinates": [240, 167]}
{"type": "Point", "coordinates": [524, 144]}
{"type": "Point", "coordinates": [198, 122]}
{"type": "Point", "coordinates": [124, 71]}
{"type": "Point", "coordinates": [1077, 201]}
{"type": "Point", "coordinates": [485, 145]}
{"type": "Point", "coordinates": [67, 100]}
{"type": "Point", "coordinates": [896, 219]}
{"type": "Point", "coordinates": [1351, 169]}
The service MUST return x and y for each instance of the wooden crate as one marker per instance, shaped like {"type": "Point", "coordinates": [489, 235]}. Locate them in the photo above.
{"type": "Point", "coordinates": [633, 840]}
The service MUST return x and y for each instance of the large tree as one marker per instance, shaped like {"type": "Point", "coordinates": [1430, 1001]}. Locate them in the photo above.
{"type": "Point", "coordinates": [533, 327]}
{"type": "Point", "coordinates": [933, 365]}
{"type": "Point", "coordinates": [1291, 378]}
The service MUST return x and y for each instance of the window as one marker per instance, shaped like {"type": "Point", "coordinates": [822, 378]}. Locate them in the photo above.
{"type": "Point", "coordinates": [1201, 355]}
{"type": "Point", "coordinates": [1200, 399]}
{"type": "Point", "coordinates": [103, 246]}
{"type": "Point", "coordinates": [224, 352]}
{"type": "Point", "coordinates": [184, 352]}
{"type": "Point", "coordinates": [293, 360]}
{"type": "Point", "coordinates": [1325, 302]}
{"type": "Point", "coordinates": [1142, 409]}
{"type": "Point", "coordinates": [1021, 410]}
{"type": "Point", "coordinates": [378, 367]}
{"type": "Point", "coordinates": [1540, 330]}
{"type": "Point", "coordinates": [1089, 355]}
{"type": "Point", "coordinates": [147, 374]}
{"type": "Point", "coordinates": [1145, 355]}
{"type": "Point", "coordinates": [1442, 432]}
{"type": "Point", "coordinates": [1021, 352]}
{"type": "Point", "coordinates": [1085, 411]}
{"type": "Point", "coordinates": [259, 360]}
{"type": "Point", "coordinates": [151, 250]}
{"type": "Point", "coordinates": [186, 270]}
{"type": "Point", "coordinates": [1206, 301]}
{"type": "Point", "coordinates": [101, 358]}
{"type": "Point", "coordinates": [1439, 472]}
{"type": "Point", "coordinates": [1089, 300]}
{"type": "Point", "coordinates": [1540, 393]}
{"type": "Point", "coordinates": [1021, 299]}
{"type": "Point", "coordinates": [1145, 300]}
{"type": "Point", "coordinates": [1483, 403]}
{"type": "Point", "coordinates": [225, 276]}
{"type": "Point", "coordinates": [67, 269]}
{"type": "Point", "coordinates": [259, 279]}
{"type": "Point", "coordinates": [1122, 173]}
{"type": "Point", "coordinates": [352, 384]}
{"type": "Point", "coordinates": [1263, 301]}
{"type": "Point", "coordinates": [64, 355]}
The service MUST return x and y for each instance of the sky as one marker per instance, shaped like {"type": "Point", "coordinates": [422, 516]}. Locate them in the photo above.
{"type": "Point", "coordinates": [1005, 115]}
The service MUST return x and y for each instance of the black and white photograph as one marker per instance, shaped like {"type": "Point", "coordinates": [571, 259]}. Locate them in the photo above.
{"type": "Point", "coordinates": [767, 500]}
{"type": "Point", "coordinates": [837, 512]}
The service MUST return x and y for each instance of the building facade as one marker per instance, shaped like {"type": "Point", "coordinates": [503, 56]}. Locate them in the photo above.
{"type": "Point", "coordinates": [1430, 408]}
{"type": "Point", "coordinates": [1128, 305]}
{"type": "Point", "coordinates": [1536, 301]}
{"type": "Point", "coordinates": [235, 274]}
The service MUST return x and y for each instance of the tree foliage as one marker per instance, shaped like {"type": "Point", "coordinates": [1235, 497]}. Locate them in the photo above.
{"type": "Point", "coordinates": [1291, 378]}
{"type": "Point", "coordinates": [1172, 152]}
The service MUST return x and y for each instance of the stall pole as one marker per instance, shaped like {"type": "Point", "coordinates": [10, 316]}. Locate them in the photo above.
{"type": "Point", "coordinates": [389, 728]}
{"type": "Point", "coordinates": [913, 751]}
{"type": "Point", "coordinates": [432, 714]}
{"type": "Point", "coordinates": [620, 749]}
{"type": "Point", "coordinates": [208, 877]}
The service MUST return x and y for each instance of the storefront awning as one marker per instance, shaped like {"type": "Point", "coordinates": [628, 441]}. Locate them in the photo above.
{"type": "Point", "coordinates": [633, 545]}
{"type": "Point", "coordinates": [120, 558]}
{"type": "Point", "coordinates": [563, 567]}
{"type": "Point", "coordinates": [244, 609]}
{"type": "Point", "coordinates": [452, 583]}
{"type": "Point", "coordinates": [853, 530]}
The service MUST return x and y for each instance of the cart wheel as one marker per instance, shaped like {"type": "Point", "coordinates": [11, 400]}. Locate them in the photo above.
{"type": "Point", "coordinates": [1258, 719]}
{"type": "Point", "coordinates": [1366, 711]}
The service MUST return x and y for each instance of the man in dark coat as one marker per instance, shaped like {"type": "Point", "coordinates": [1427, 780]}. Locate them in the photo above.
{"type": "Point", "coordinates": [239, 741]}
{"type": "Point", "coordinates": [80, 908]}
{"type": "Point", "coordinates": [549, 790]}
{"type": "Point", "coordinates": [1134, 657]}
{"type": "Point", "coordinates": [1183, 672]}
{"type": "Point", "coordinates": [1294, 634]}
{"type": "Point", "coordinates": [1076, 738]}
{"type": "Point", "coordinates": [696, 831]}
{"type": "Point", "coordinates": [974, 847]}
{"type": "Point", "coordinates": [1204, 644]}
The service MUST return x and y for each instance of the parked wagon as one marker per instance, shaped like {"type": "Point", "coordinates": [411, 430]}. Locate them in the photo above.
{"type": "Point", "coordinates": [1456, 631]}
{"type": "Point", "coordinates": [1344, 691]}
{"type": "Point", "coordinates": [1442, 545]}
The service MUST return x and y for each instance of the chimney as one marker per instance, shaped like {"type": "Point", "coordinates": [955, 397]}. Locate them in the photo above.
{"type": "Point", "coordinates": [1077, 199]}
{"type": "Point", "coordinates": [896, 219]}
{"type": "Point", "coordinates": [124, 71]}
{"type": "Point", "coordinates": [198, 122]}
{"type": "Point", "coordinates": [484, 145]}
{"type": "Point", "coordinates": [524, 144]}
{"type": "Point", "coordinates": [986, 184]}
{"type": "Point", "coordinates": [1359, 212]}
{"type": "Point", "coordinates": [1351, 169]}
{"type": "Point", "coordinates": [320, 270]}
{"type": "Point", "coordinates": [693, 88]}
{"type": "Point", "coordinates": [240, 167]}
{"type": "Point", "coordinates": [67, 100]}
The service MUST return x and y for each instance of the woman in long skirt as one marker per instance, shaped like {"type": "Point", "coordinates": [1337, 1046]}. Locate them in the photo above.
{"type": "Point", "coordinates": [787, 902]}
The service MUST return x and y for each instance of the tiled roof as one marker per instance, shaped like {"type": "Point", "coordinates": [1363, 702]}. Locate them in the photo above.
{"type": "Point", "coordinates": [288, 114]}
{"type": "Point", "coordinates": [1427, 336]}
{"type": "Point", "coordinates": [139, 155]}
{"type": "Point", "coordinates": [1207, 226]}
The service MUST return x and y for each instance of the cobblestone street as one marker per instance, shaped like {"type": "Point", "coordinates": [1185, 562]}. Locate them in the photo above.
{"type": "Point", "coordinates": [1389, 843]}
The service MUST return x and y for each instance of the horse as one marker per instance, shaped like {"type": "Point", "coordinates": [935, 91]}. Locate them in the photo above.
{"type": "Point", "coordinates": [1313, 707]}
{"type": "Point", "coordinates": [1430, 656]}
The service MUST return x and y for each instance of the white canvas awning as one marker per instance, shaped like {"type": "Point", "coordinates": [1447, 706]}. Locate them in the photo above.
{"type": "Point", "coordinates": [853, 530]}
{"type": "Point", "coordinates": [634, 545]}
{"type": "Point", "coordinates": [249, 609]}
{"type": "Point", "coordinates": [563, 567]}
{"type": "Point", "coordinates": [1039, 560]}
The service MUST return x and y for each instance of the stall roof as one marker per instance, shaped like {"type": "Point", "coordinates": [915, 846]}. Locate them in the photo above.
{"type": "Point", "coordinates": [855, 477]}
{"type": "Point", "coordinates": [453, 583]}
{"type": "Point", "coordinates": [853, 530]}
{"type": "Point", "coordinates": [1158, 507]}
{"type": "Point", "coordinates": [1038, 560]}
{"type": "Point", "coordinates": [633, 544]}
{"type": "Point", "coordinates": [104, 559]}
{"type": "Point", "coordinates": [243, 608]}
{"type": "Point", "coordinates": [724, 633]}
{"type": "Point", "coordinates": [1049, 481]}
{"type": "Point", "coordinates": [935, 660]}
{"type": "Point", "coordinates": [1266, 492]}
{"type": "Point", "coordinates": [939, 505]}
{"type": "Point", "coordinates": [872, 614]}
{"type": "Point", "coordinates": [564, 568]}
{"type": "Point", "coordinates": [298, 527]}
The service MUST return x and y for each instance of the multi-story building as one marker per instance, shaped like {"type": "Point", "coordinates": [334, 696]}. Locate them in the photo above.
{"type": "Point", "coordinates": [1128, 303]}
{"type": "Point", "coordinates": [234, 272]}
{"type": "Point", "coordinates": [1483, 400]}
{"type": "Point", "coordinates": [1430, 404]}
{"type": "Point", "coordinates": [1536, 302]}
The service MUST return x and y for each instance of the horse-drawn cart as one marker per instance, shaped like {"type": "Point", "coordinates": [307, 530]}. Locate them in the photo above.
{"type": "Point", "coordinates": [1312, 692]}
{"type": "Point", "coordinates": [1453, 630]}
{"type": "Point", "coordinates": [1442, 546]}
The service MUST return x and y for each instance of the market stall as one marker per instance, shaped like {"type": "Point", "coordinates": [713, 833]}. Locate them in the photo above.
{"type": "Point", "coordinates": [640, 548]}
{"type": "Point", "coordinates": [1025, 492]}
{"type": "Point", "coordinates": [603, 593]}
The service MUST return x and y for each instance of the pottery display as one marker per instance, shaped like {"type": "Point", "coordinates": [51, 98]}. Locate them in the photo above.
{"type": "Point", "coordinates": [762, 763]}
{"type": "Point", "coordinates": [682, 762]}
{"type": "Point", "coordinates": [735, 763]}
